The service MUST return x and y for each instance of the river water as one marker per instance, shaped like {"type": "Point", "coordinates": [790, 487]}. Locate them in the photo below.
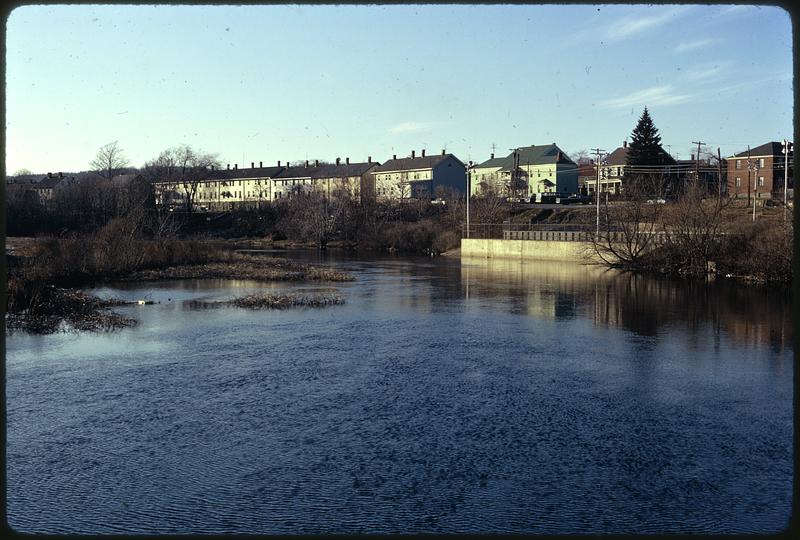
{"type": "Point", "coordinates": [444, 396]}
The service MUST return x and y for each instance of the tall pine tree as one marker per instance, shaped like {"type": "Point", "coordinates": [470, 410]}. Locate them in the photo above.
{"type": "Point", "coordinates": [645, 147]}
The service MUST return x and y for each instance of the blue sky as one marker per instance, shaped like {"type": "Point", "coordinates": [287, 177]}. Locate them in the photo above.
{"type": "Point", "coordinates": [269, 83]}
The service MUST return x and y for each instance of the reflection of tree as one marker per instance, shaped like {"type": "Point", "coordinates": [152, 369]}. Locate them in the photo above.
{"type": "Point", "coordinates": [645, 305]}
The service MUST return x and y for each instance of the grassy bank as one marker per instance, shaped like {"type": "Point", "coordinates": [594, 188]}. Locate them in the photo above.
{"type": "Point", "coordinates": [44, 275]}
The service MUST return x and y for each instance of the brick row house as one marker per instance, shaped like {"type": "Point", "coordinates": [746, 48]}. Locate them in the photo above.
{"type": "Point", "coordinates": [759, 172]}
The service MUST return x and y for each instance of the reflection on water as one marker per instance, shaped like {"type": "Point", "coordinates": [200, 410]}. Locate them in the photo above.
{"type": "Point", "coordinates": [445, 396]}
{"type": "Point", "coordinates": [645, 305]}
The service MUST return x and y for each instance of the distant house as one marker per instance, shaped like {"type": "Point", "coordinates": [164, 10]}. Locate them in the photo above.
{"type": "Point", "coordinates": [47, 188]}
{"type": "Point", "coordinates": [327, 178]}
{"type": "Point", "coordinates": [236, 188]}
{"type": "Point", "coordinates": [612, 171]}
{"type": "Point", "coordinates": [485, 177]}
{"type": "Point", "coordinates": [418, 177]}
{"type": "Point", "coordinates": [587, 177]}
{"type": "Point", "coordinates": [221, 189]}
{"type": "Point", "coordinates": [759, 172]}
{"type": "Point", "coordinates": [539, 169]}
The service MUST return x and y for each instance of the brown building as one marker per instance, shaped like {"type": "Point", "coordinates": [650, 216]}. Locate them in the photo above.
{"type": "Point", "coordinates": [759, 172]}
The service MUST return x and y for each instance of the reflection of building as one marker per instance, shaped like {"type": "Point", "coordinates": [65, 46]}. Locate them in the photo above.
{"type": "Point", "coordinates": [759, 171]}
{"type": "Point", "coordinates": [526, 171]}
{"type": "Point", "coordinates": [418, 177]}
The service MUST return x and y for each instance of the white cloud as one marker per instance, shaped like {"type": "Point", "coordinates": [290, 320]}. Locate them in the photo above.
{"type": "Point", "coordinates": [735, 9]}
{"type": "Point", "coordinates": [412, 127]}
{"type": "Point", "coordinates": [692, 45]}
{"type": "Point", "coordinates": [656, 95]}
{"type": "Point", "coordinates": [706, 71]}
{"type": "Point", "coordinates": [632, 25]}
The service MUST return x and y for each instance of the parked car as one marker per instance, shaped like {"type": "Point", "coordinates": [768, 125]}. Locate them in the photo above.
{"type": "Point", "coordinates": [656, 201]}
{"type": "Point", "coordinates": [547, 198]}
{"type": "Point", "coordinates": [576, 198]}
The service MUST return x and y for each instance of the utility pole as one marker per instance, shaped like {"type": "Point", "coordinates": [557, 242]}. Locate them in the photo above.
{"type": "Point", "coordinates": [749, 168]}
{"type": "Point", "coordinates": [787, 146]}
{"type": "Point", "coordinates": [469, 173]}
{"type": "Point", "coordinates": [697, 161]}
{"type": "Point", "coordinates": [597, 152]}
{"type": "Point", "coordinates": [719, 173]}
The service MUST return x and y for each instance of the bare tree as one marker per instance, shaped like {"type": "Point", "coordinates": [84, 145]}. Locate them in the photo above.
{"type": "Point", "coordinates": [581, 157]}
{"type": "Point", "coordinates": [630, 231]}
{"type": "Point", "coordinates": [109, 160]}
{"type": "Point", "coordinates": [184, 167]}
{"type": "Point", "coordinates": [692, 230]}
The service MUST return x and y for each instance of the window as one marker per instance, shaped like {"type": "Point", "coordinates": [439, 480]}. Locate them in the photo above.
{"type": "Point", "coordinates": [738, 180]}
{"type": "Point", "coordinates": [738, 164]}
{"type": "Point", "coordinates": [761, 162]}
{"type": "Point", "coordinates": [761, 181]}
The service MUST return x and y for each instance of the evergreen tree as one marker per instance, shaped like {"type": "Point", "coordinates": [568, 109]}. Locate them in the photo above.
{"type": "Point", "coordinates": [645, 147]}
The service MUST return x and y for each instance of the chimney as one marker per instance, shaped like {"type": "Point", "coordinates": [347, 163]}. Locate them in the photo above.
{"type": "Point", "coordinates": [442, 151]}
{"type": "Point", "coordinates": [423, 152]}
{"type": "Point", "coordinates": [394, 156]}
{"type": "Point", "coordinates": [347, 160]}
{"type": "Point", "coordinates": [260, 164]}
{"type": "Point", "coordinates": [306, 164]}
{"type": "Point", "coordinates": [625, 143]}
{"type": "Point", "coordinates": [337, 160]}
{"type": "Point", "coordinates": [229, 166]}
{"type": "Point", "coordinates": [692, 156]}
{"type": "Point", "coordinates": [212, 167]}
{"type": "Point", "coordinates": [492, 155]}
{"type": "Point", "coordinates": [60, 175]}
{"type": "Point", "coordinates": [413, 154]}
{"type": "Point", "coordinates": [279, 163]}
{"type": "Point", "coordinates": [235, 166]}
{"type": "Point", "coordinates": [252, 165]}
{"type": "Point", "coordinates": [49, 175]}
{"type": "Point", "coordinates": [369, 159]}
{"type": "Point", "coordinates": [316, 163]}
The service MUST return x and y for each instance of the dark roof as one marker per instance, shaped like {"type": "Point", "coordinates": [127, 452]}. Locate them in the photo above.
{"type": "Point", "coordinates": [542, 154]}
{"type": "Point", "coordinates": [617, 157]}
{"type": "Point", "coordinates": [254, 172]}
{"type": "Point", "coordinates": [123, 180]}
{"type": "Point", "coordinates": [587, 169]}
{"type": "Point", "coordinates": [328, 170]}
{"type": "Point", "coordinates": [531, 155]}
{"type": "Point", "coordinates": [496, 162]}
{"type": "Point", "coordinates": [48, 183]}
{"type": "Point", "coordinates": [767, 149]}
{"type": "Point", "coordinates": [418, 162]}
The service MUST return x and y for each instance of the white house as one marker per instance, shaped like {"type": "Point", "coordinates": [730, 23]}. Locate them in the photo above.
{"type": "Point", "coordinates": [418, 177]}
{"type": "Point", "coordinates": [539, 169]}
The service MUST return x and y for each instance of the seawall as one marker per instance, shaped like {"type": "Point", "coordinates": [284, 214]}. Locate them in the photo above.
{"type": "Point", "coordinates": [549, 250]}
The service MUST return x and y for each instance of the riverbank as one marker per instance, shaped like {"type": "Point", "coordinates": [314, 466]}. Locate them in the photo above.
{"type": "Point", "coordinates": [46, 277]}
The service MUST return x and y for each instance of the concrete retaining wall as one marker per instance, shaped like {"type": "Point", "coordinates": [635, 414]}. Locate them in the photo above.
{"type": "Point", "coordinates": [552, 250]}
